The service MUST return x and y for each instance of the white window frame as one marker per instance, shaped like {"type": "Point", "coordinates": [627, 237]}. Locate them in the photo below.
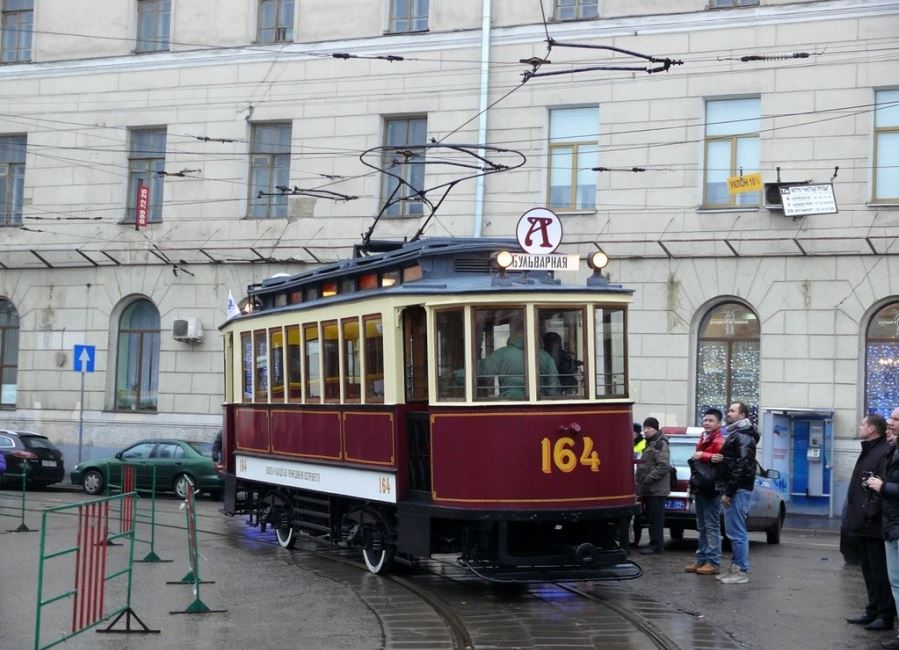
{"type": "Point", "coordinates": [733, 136]}
{"type": "Point", "coordinates": [891, 129]}
{"type": "Point", "coordinates": [579, 7]}
{"type": "Point", "coordinates": [157, 42]}
{"type": "Point", "coordinates": [392, 20]}
{"type": "Point", "coordinates": [578, 149]}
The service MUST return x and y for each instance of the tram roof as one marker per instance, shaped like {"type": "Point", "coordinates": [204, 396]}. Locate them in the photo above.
{"type": "Point", "coordinates": [440, 264]}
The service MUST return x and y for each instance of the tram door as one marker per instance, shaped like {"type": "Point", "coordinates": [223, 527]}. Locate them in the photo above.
{"type": "Point", "coordinates": [415, 364]}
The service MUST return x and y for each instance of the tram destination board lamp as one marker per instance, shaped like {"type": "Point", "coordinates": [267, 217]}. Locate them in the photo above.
{"type": "Point", "coordinates": [597, 261]}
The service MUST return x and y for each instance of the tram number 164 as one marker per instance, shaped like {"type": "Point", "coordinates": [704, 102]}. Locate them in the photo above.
{"type": "Point", "coordinates": [563, 455]}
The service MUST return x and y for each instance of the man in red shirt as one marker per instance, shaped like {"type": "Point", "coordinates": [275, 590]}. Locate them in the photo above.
{"type": "Point", "coordinates": [708, 506]}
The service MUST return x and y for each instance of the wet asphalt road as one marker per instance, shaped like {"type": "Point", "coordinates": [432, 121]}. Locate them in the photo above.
{"type": "Point", "coordinates": [798, 596]}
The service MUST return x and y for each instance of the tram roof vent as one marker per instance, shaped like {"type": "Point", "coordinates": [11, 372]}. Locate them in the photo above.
{"type": "Point", "coordinates": [471, 265]}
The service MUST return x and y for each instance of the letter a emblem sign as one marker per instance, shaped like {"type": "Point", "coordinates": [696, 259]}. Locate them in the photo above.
{"type": "Point", "coordinates": [539, 231]}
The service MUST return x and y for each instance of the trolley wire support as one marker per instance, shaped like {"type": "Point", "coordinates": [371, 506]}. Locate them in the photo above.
{"type": "Point", "coordinates": [197, 606]}
{"type": "Point", "coordinates": [405, 166]}
{"type": "Point", "coordinates": [663, 64]}
{"type": "Point", "coordinates": [22, 528]}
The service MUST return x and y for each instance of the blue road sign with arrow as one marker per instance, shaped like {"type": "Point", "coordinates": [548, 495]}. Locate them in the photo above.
{"type": "Point", "coordinates": [84, 358]}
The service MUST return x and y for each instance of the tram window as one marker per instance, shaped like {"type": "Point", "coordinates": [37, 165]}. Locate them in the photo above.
{"type": "Point", "coordinates": [561, 333]}
{"type": "Point", "coordinates": [310, 362]}
{"type": "Point", "coordinates": [374, 359]}
{"type": "Point", "coordinates": [352, 381]}
{"type": "Point", "coordinates": [296, 297]}
{"type": "Point", "coordinates": [450, 354]}
{"type": "Point", "coordinates": [229, 367]}
{"type": "Point", "coordinates": [369, 281]}
{"type": "Point", "coordinates": [280, 300]}
{"type": "Point", "coordinates": [331, 361]}
{"type": "Point", "coordinates": [260, 364]}
{"type": "Point", "coordinates": [348, 286]}
{"type": "Point", "coordinates": [311, 294]}
{"type": "Point", "coordinates": [294, 364]}
{"type": "Point", "coordinates": [412, 273]}
{"type": "Point", "coordinates": [329, 289]}
{"type": "Point", "coordinates": [500, 354]}
{"type": "Point", "coordinates": [246, 357]}
{"type": "Point", "coordinates": [611, 367]}
{"type": "Point", "coordinates": [390, 278]}
{"type": "Point", "coordinates": [276, 363]}
{"type": "Point", "coordinates": [415, 336]}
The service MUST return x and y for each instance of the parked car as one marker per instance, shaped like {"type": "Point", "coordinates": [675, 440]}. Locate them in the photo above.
{"type": "Point", "coordinates": [177, 462]}
{"type": "Point", "coordinates": [767, 509]}
{"type": "Point", "coordinates": [41, 459]}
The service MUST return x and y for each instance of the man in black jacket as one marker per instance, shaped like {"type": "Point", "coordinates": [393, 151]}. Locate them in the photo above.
{"type": "Point", "coordinates": [863, 522]}
{"type": "Point", "coordinates": [738, 479]}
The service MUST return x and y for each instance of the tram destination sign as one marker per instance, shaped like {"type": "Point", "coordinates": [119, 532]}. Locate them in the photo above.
{"type": "Point", "coordinates": [800, 200]}
{"type": "Point", "coordinates": [552, 262]}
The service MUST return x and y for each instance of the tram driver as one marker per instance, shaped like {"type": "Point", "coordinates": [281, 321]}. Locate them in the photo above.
{"type": "Point", "coordinates": [505, 367]}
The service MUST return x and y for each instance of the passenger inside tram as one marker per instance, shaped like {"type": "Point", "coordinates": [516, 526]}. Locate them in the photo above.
{"type": "Point", "coordinates": [502, 372]}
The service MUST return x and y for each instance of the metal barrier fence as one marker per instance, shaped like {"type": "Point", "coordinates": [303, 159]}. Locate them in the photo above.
{"type": "Point", "coordinates": [193, 559]}
{"type": "Point", "coordinates": [7, 510]}
{"type": "Point", "coordinates": [135, 477]}
{"type": "Point", "coordinates": [91, 571]}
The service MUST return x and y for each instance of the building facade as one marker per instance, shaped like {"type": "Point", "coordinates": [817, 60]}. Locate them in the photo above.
{"type": "Point", "coordinates": [235, 127]}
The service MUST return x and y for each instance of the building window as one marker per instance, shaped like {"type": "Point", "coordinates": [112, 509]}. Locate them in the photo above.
{"type": "Point", "coordinates": [9, 353]}
{"type": "Point", "coordinates": [275, 21]}
{"type": "Point", "coordinates": [269, 170]}
{"type": "Point", "coordinates": [18, 16]}
{"type": "Point", "coordinates": [573, 153]}
{"type": "Point", "coordinates": [408, 15]}
{"type": "Point", "coordinates": [12, 179]}
{"type": "Point", "coordinates": [731, 149]}
{"type": "Point", "coordinates": [405, 133]}
{"type": "Point", "coordinates": [137, 361]}
{"type": "Point", "coordinates": [728, 357]}
{"type": "Point", "coordinates": [886, 146]}
{"type": "Point", "coordinates": [153, 18]}
{"type": "Point", "coordinates": [882, 361]}
{"type": "Point", "coordinates": [146, 162]}
{"type": "Point", "coordinates": [574, 9]}
{"type": "Point", "coordinates": [717, 4]}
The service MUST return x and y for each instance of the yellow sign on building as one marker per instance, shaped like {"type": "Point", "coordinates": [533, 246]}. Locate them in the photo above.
{"type": "Point", "coordinates": [747, 183]}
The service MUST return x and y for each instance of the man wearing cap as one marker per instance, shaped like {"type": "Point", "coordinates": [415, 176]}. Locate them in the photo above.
{"type": "Point", "coordinates": [654, 483]}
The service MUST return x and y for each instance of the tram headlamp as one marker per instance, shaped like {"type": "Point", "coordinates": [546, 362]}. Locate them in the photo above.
{"type": "Point", "coordinates": [503, 259]}
{"type": "Point", "coordinates": [598, 261]}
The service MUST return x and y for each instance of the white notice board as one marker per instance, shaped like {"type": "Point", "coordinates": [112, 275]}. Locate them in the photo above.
{"type": "Point", "coordinates": [800, 200]}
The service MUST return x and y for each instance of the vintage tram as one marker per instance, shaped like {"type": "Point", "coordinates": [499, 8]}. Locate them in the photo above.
{"type": "Point", "coordinates": [430, 400]}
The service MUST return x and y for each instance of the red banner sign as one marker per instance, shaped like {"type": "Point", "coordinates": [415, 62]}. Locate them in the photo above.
{"type": "Point", "coordinates": [143, 205]}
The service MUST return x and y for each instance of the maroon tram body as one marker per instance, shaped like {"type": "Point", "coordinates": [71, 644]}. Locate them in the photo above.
{"type": "Point", "coordinates": [404, 446]}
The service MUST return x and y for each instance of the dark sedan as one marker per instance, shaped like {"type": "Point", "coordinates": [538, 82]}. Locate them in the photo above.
{"type": "Point", "coordinates": [41, 459]}
{"type": "Point", "coordinates": [177, 463]}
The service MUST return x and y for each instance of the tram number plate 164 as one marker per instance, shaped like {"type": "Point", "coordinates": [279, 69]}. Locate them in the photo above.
{"type": "Point", "coordinates": [566, 454]}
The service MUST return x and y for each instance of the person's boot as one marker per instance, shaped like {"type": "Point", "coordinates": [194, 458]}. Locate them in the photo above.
{"type": "Point", "coordinates": [864, 619]}
{"type": "Point", "coordinates": [880, 624]}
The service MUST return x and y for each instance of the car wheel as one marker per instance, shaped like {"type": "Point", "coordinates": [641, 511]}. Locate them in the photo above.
{"type": "Point", "coordinates": [676, 532]}
{"type": "Point", "coordinates": [181, 483]}
{"type": "Point", "coordinates": [773, 533]}
{"type": "Point", "coordinates": [93, 481]}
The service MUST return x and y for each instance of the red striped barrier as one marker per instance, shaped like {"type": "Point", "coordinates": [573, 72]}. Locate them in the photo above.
{"type": "Point", "coordinates": [90, 565]}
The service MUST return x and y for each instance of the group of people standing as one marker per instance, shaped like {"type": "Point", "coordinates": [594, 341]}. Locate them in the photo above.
{"type": "Point", "coordinates": [722, 476]}
{"type": "Point", "coordinates": [871, 520]}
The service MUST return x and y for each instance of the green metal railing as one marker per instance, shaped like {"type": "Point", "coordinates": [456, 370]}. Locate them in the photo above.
{"type": "Point", "coordinates": [17, 511]}
{"type": "Point", "coordinates": [130, 480]}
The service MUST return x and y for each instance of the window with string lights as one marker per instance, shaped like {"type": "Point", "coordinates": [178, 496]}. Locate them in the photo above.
{"type": "Point", "coordinates": [882, 361]}
{"type": "Point", "coordinates": [728, 359]}
{"type": "Point", "coordinates": [9, 353]}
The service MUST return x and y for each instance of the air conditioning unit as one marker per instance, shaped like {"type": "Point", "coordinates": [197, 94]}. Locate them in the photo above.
{"type": "Point", "coordinates": [187, 329]}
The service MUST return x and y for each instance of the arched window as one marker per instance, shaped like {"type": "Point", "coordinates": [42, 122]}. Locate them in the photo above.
{"type": "Point", "coordinates": [727, 362]}
{"type": "Point", "coordinates": [9, 353]}
{"type": "Point", "coordinates": [882, 361]}
{"type": "Point", "coordinates": [137, 361]}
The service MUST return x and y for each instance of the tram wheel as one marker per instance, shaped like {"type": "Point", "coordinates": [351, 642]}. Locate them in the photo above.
{"type": "Point", "coordinates": [287, 536]}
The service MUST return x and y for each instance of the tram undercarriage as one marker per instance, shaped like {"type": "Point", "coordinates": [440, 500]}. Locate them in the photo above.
{"type": "Point", "coordinates": [503, 546]}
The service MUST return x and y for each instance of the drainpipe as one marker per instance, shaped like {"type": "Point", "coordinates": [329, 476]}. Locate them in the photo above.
{"type": "Point", "coordinates": [482, 118]}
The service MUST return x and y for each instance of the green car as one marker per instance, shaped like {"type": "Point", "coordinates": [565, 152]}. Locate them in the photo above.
{"type": "Point", "coordinates": [177, 463]}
